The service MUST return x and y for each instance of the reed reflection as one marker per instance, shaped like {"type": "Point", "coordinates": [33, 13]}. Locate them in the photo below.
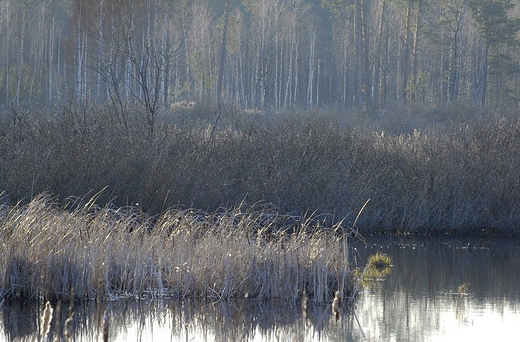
{"type": "Point", "coordinates": [236, 320]}
{"type": "Point", "coordinates": [438, 289]}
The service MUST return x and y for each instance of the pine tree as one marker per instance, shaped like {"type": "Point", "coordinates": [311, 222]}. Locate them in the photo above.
{"type": "Point", "coordinates": [497, 29]}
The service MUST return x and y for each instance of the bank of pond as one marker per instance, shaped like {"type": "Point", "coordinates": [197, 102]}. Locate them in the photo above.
{"type": "Point", "coordinates": [440, 288]}
{"type": "Point", "coordinates": [56, 253]}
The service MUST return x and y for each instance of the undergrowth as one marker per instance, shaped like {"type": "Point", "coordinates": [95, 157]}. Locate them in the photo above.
{"type": "Point", "coordinates": [426, 171]}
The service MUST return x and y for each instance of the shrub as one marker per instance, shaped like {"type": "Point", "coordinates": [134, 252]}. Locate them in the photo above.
{"type": "Point", "coordinates": [437, 171]}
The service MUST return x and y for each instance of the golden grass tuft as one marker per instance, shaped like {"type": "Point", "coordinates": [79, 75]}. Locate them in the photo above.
{"type": "Point", "coordinates": [379, 260]}
{"type": "Point", "coordinates": [379, 266]}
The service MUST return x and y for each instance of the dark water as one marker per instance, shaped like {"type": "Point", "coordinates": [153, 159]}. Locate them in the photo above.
{"type": "Point", "coordinates": [418, 301]}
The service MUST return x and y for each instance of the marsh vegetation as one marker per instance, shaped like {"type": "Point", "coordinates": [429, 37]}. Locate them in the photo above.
{"type": "Point", "coordinates": [436, 171]}
{"type": "Point", "coordinates": [108, 253]}
{"type": "Point", "coordinates": [419, 299]}
{"type": "Point", "coordinates": [219, 203]}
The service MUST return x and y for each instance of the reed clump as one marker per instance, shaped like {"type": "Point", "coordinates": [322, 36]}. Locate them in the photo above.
{"type": "Point", "coordinates": [379, 260]}
{"type": "Point", "coordinates": [93, 252]}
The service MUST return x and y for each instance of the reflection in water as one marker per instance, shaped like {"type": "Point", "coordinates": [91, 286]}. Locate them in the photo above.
{"type": "Point", "coordinates": [419, 301]}
{"type": "Point", "coordinates": [174, 320]}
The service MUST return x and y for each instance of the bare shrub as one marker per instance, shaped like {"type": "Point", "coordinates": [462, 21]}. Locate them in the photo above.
{"type": "Point", "coordinates": [426, 171]}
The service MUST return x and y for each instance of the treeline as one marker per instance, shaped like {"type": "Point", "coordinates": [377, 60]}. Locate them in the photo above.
{"type": "Point", "coordinates": [265, 54]}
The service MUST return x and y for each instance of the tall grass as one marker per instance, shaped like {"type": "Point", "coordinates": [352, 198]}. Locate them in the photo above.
{"type": "Point", "coordinates": [97, 253]}
{"type": "Point", "coordinates": [425, 171]}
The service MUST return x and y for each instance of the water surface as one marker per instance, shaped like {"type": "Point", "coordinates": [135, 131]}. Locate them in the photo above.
{"type": "Point", "coordinates": [419, 301]}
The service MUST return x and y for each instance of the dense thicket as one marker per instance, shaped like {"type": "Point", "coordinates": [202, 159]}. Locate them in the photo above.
{"type": "Point", "coordinates": [422, 170]}
{"type": "Point", "coordinates": [264, 54]}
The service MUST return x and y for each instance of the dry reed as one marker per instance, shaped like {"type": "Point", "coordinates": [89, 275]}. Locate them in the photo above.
{"type": "Point", "coordinates": [438, 171]}
{"type": "Point", "coordinates": [106, 252]}
{"type": "Point", "coordinates": [105, 327]}
{"type": "Point", "coordinates": [46, 320]}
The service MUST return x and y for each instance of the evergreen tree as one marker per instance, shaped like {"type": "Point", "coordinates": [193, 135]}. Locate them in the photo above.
{"type": "Point", "coordinates": [498, 30]}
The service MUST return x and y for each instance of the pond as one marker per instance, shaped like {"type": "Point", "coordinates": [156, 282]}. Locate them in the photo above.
{"type": "Point", "coordinates": [439, 290]}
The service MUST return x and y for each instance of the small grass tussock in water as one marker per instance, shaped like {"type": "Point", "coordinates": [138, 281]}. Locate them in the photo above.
{"type": "Point", "coordinates": [104, 252]}
{"type": "Point", "coordinates": [379, 260]}
{"type": "Point", "coordinates": [379, 266]}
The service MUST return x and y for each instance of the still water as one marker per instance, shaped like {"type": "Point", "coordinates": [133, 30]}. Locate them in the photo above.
{"type": "Point", "coordinates": [421, 300]}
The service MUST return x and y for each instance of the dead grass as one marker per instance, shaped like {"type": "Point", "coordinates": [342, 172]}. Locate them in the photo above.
{"type": "Point", "coordinates": [435, 171]}
{"type": "Point", "coordinates": [104, 252]}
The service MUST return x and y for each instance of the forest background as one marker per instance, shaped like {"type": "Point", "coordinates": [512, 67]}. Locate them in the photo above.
{"type": "Point", "coordinates": [264, 54]}
{"type": "Point", "coordinates": [405, 108]}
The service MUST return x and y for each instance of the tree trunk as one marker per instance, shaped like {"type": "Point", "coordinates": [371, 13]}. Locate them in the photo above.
{"type": "Point", "coordinates": [223, 53]}
{"type": "Point", "coordinates": [415, 52]}
{"type": "Point", "coordinates": [378, 66]}
{"type": "Point", "coordinates": [485, 69]}
{"type": "Point", "coordinates": [311, 70]}
{"type": "Point", "coordinates": [365, 79]}
{"type": "Point", "coordinates": [406, 53]}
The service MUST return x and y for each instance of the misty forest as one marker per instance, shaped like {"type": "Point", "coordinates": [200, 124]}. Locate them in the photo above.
{"type": "Point", "coordinates": [243, 148]}
{"type": "Point", "coordinates": [390, 115]}
{"type": "Point", "coordinates": [265, 54]}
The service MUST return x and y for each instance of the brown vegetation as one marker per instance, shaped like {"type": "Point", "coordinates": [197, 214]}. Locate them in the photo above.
{"type": "Point", "coordinates": [425, 171]}
{"type": "Point", "coordinates": [98, 253]}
